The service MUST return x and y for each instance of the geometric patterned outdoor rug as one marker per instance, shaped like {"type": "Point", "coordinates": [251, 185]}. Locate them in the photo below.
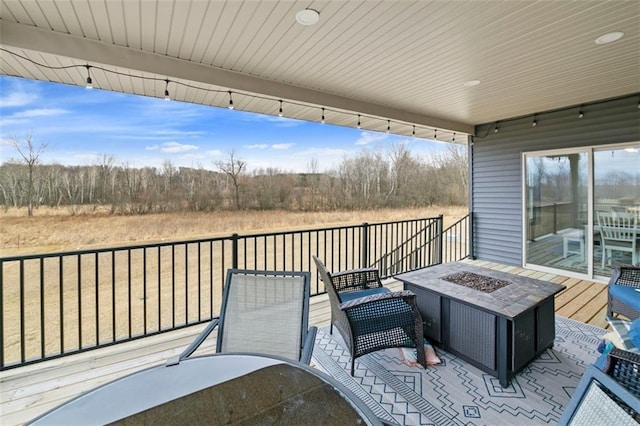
{"type": "Point", "coordinates": [456, 393]}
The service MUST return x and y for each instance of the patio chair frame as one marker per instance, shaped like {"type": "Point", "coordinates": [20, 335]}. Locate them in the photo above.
{"type": "Point", "coordinates": [613, 395]}
{"type": "Point", "coordinates": [372, 322]}
{"type": "Point", "coordinates": [307, 334]}
{"type": "Point", "coordinates": [624, 367]}
{"type": "Point", "coordinates": [623, 276]}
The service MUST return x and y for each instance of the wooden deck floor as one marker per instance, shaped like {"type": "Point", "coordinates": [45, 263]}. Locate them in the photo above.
{"type": "Point", "coordinates": [29, 391]}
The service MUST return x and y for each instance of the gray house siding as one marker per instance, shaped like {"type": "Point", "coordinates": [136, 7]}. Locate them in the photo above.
{"type": "Point", "coordinates": [496, 169]}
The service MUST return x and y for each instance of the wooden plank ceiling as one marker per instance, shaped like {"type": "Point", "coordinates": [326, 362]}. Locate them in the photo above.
{"type": "Point", "coordinates": [403, 61]}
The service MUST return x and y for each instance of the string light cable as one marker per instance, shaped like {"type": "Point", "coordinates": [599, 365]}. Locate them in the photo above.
{"type": "Point", "coordinates": [495, 127]}
{"type": "Point", "coordinates": [167, 81]}
{"type": "Point", "coordinates": [324, 110]}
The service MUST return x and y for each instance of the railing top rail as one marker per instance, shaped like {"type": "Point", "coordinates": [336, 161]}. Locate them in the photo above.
{"type": "Point", "coordinates": [456, 223]}
{"type": "Point", "coordinates": [404, 221]}
{"type": "Point", "coordinates": [109, 249]}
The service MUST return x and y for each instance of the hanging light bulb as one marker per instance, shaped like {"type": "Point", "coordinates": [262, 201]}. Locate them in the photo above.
{"type": "Point", "coordinates": [166, 91]}
{"type": "Point", "coordinates": [280, 114]}
{"type": "Point", "coordinates": [413, 133]}
{"type": "Point", "coordinates": [495, 129]}
{"type": "Point", "coordinates": [580, 113]}
{"type": "Point", "coordinates": [322, 121]}
{"type": "Point", "coordinates": [89, 84]}
{"type": "Point", "coordinates": [230, 101]}
{"type": "Point", "coordinates": [358, 126]}
{"type": "Point", "coordinates": [435, 133]}
{"type": "Point", "coordinates": [535, 122]}
{"type": "Point", "coordinates": [388, 125]}
{"type": "Point", "coordinates": [454, 137]}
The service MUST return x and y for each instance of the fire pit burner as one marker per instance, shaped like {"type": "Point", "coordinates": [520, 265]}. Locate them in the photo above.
{"type": "Point", "coordinates": [476, 281]}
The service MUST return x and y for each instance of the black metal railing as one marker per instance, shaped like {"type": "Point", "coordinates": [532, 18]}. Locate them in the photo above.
{"type": "Point", "coordinates": [57, 304]}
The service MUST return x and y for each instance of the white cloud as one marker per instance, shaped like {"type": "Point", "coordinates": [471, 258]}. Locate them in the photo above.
{"type": "Point", "coordinates": [322, 152]}
{"type": "Point", "coordinates": [6, 142]}
{"type": "Point", "coordinates": [213, 153]}
{"type": "Point", "coordinates": [276, 146]}
{"type": "Point", "coordinates": [87, 157]}
{"type": "Point", "coordinates": [39, 112]}
{"type": "Point", "coordinates": [278, 121]}
{"type": "Point", "coordinates": [175, 147]}
{"type": "Point", "coordinates": [152, 147]}
{"type": "Point", "coordinates": [282, 146]}
{"type": "Point", "coordinates": [193, 157]}
{"type": "Point", "coordinates": [367, 138]}
{"type": "Point", "coordinates": [17, 99]}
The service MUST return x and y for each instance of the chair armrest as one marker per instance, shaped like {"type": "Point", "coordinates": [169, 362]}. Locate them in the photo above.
{"type": "Point", "coordinates": [307, 348]}
{"type": "Point", "coordinates": [356, 279]}
{"type": "Point", "coordinates": [407, 295]}
{"type": "Point", "coordinates": [624, 367]}
{"type": "Point", "coordinates": [201, 338]}
{"type": "Point", "coordinates": [617, 354]}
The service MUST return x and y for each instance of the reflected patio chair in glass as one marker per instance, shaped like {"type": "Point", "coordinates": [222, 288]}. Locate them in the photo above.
{"type": "Point", "coordinates": [573, 243]}
{"type": "Point", "coordinates": [369, 316]}
{"type": "Point", "coordinates": [618, 232]}
{"type": "Point", "coordinates": [263, 312]}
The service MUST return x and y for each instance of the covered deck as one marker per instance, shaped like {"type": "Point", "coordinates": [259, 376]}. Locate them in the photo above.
{"type": "Point", "coordinates": [31, 390]}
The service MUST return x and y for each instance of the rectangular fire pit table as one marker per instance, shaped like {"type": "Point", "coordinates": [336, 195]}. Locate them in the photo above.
{"type": "Point", "coordinates": [499, 331]}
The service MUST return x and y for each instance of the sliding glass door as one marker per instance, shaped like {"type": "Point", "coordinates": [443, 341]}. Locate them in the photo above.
{"type": "Point", "coordinates": [582, 209]}
{"type": "Point", "coordinates": [556, 209]}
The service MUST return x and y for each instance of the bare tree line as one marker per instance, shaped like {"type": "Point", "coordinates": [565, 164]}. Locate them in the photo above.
{"type": "Point", "coordinates": [365, 181]}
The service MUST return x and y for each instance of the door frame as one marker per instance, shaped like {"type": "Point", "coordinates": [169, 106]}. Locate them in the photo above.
{"type": "Point", "coordinates": [589, 150]}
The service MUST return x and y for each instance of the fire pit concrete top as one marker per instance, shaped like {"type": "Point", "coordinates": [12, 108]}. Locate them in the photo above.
{"type": "Point", "coordinates": [508, 301]}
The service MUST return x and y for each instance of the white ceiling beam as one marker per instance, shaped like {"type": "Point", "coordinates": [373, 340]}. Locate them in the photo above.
{"type": "Point", "coordinates": [56, 43]}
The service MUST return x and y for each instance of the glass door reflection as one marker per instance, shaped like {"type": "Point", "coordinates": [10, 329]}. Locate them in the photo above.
{"type": "Point", "coordinates": [616, 209]}
{"type": "Point", "coordinates": [556, 205]}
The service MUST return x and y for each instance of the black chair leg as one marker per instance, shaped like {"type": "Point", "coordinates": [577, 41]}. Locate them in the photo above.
{"type": "Point", "coordinates": [353, 361]}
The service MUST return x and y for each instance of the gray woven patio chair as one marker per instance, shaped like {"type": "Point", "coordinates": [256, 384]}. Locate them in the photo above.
{"type": "Point", "coordinates": [624, 366]}
{"type": "Point", "coordinates": [369, 316]}
{"type": "Point", "coordinates": [264, 312]}
{"type": "Point", "coordinates": [609, 396]}
{"type": "Point", "coordinates": [623, 292]}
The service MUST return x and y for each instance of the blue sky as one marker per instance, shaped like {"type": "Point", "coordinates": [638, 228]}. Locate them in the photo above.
{"type": "Point", "coordinates": [79, 126]}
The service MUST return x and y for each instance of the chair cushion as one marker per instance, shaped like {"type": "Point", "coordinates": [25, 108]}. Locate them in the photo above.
{"type": "Point", "coordinates": [621, 327]}
{"type": "Point", "coordinates": [627, 294]}
{"type": "Point", "coordinates": [347, 296]}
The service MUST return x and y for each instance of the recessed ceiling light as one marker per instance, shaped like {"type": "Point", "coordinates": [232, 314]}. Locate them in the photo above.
{"type": "Point", "coordinates": [471, 83]}
{"type": "Point", "coordinates": [609, 37]}
{"type": "Point", "coordinates": [307, 16]}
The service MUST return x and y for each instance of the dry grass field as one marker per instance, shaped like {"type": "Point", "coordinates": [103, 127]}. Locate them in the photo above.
{"type": "Point", "coordinates": [51, 230]}
{"type": "Point", "coordinates": [80, 300]}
